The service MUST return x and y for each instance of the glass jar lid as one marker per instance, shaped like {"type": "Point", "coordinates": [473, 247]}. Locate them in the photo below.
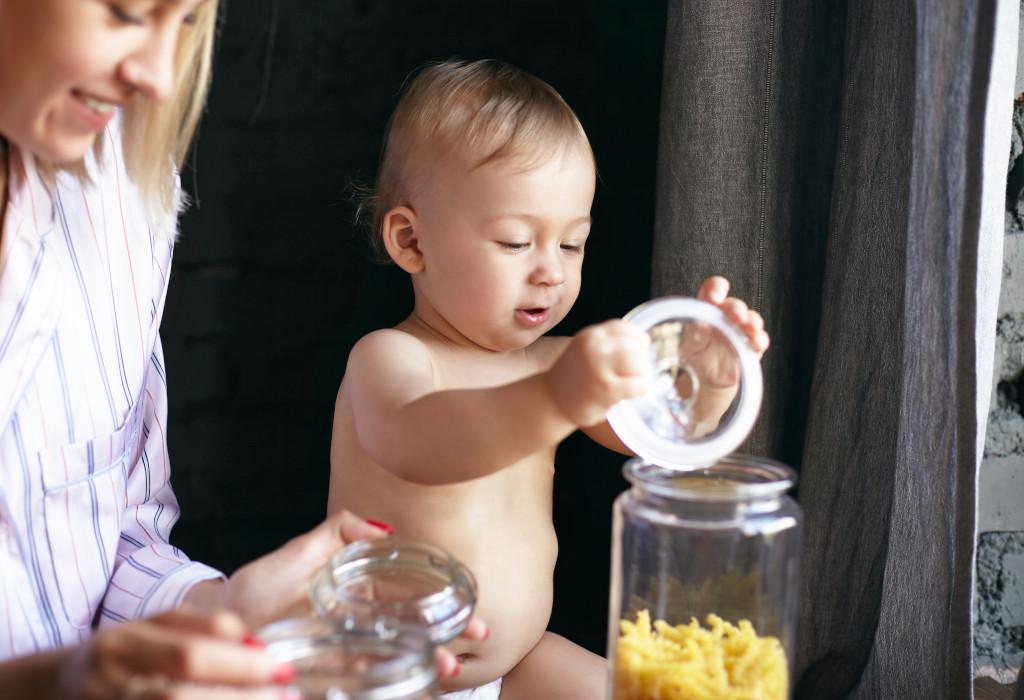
{"type": "Point", "coordinates": [395, 586]}
{"type": "Point", "coordinates": [705, 391]}
{"type": "Point", "coordinates": [334, 664]}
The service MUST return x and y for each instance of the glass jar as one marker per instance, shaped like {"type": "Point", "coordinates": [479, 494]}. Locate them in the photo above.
{"type": "Point", "coordinates": [705, 546]}
{"type": "Point", "coordinates": [723, 541]}
{"type": "Point", "coordinates": [333, 664]}
{"type": "Point", "coordinates": [394, 587]}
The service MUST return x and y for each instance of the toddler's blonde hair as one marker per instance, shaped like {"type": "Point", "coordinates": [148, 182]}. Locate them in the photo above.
{"type": "Point", "coordinates": [484, 111]}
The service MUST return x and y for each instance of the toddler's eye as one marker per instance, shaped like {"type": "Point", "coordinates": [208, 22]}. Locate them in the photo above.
{"type": "Point", "coordinates": [568, 248]}
{"type": "Point", "coordinates": [509, 245]}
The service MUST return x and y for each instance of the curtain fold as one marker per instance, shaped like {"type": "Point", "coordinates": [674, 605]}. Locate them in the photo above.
{"type": "Point", "coordinates": [827, 158]}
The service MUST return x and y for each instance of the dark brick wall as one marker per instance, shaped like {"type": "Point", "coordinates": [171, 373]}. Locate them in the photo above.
{"type": "Point", "coordinates": [270, 285]}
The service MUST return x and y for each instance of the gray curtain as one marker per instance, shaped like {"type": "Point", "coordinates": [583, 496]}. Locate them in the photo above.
{"type": "Point", "coordinates": [827, 158]}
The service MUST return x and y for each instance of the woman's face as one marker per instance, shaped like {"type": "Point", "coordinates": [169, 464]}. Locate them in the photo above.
{"type": "Point", "coordinates": [66, 66]}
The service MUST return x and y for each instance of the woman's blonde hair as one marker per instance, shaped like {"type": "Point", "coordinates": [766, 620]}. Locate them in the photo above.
{"type": "Point", "coordinates": [483, 110]}
{"type": "Point", "coordinates": [155, 131]}
{"type": "Point", "coordinates": [155, 135]}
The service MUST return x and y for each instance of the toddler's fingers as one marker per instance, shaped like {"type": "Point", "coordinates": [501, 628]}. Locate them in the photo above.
{"type": "Point", "coordinates": [634, 386]}
{"type": "Point", "coordinates": [714, 290]}
{"type": "Point", "coordinates": [630, 357]}
{"type": "Point", "coordinates": [760, 342]}
{"type": "Point", "coordinates": [754, 322]}
{"type": "Point", "coordinates": [617, 327]}
{"type": "Point", "coordinates": [735, 309]}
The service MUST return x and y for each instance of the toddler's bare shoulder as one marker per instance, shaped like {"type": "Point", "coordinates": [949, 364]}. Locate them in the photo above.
{"type": "Point", "coordinates": [387, 338]}
{"type": "Point", "coordinates": [386, 346]}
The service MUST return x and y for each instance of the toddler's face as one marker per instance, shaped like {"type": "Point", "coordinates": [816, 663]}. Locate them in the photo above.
{"type": "Point", "coordinates": [503, 246]}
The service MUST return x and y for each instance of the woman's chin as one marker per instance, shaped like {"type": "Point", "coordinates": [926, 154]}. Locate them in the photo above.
{"type": "Point", "coordinates": [62, 151]}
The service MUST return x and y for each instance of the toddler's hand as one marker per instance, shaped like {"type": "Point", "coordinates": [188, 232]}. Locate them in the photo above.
{"type": "Point", "coordinates": [715, 290]}
{"type": "Point", "coordinates": [602, 365]}
{"type": "Point", "coordinates": [711, 358]}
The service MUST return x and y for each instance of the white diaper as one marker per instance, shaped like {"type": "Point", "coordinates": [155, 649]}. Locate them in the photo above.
{"type": "Point", "coordinates": [491, 691]}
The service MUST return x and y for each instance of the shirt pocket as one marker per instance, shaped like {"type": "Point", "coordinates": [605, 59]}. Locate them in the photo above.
{"type": "Point", "coordinates": [84, 500]}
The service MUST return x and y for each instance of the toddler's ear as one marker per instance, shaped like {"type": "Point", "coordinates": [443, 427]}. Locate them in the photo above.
{"type": "Point", "coordinates": [398, 230]}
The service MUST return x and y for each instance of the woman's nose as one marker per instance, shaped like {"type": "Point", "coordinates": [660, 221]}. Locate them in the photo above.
{"type": "Point", "coordinates": [150, 70]}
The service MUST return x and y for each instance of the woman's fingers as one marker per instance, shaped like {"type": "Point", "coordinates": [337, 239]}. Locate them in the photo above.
{"type": "Point", "coordinates": [160, 688]}
{"type": "Point", "coordinates": [222, 623]}
{"type": "Point", "coordinates": [446, 663]}
{"type": "Point", "coordinates": [476, 630]}
{"type": "Point", "coordinates": [353, 528]}
{"type": "Point", "coordinates": [152, 649]}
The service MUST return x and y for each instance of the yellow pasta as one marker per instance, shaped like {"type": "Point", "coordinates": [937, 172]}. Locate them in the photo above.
{"type": "Point", "coordinates": [690, 662]}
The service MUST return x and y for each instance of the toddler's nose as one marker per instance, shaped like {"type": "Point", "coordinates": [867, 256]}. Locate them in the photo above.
{"type": "Point", "coordinates": [547, 271]}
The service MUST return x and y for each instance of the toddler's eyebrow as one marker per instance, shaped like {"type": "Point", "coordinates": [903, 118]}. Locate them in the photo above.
{"type": "Point", "coordinates": [533, 219]}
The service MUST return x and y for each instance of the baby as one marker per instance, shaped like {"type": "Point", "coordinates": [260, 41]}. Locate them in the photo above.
{"type": "Point", "coordinates": [446, 425]}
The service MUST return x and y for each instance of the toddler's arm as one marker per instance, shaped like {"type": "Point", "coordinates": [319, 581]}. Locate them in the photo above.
{"type": "Point", "coordinates": [431, 436]}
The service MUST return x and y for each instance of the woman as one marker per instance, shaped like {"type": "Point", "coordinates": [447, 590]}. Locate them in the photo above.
{"type": "Point", "coordinates": [97, 100]}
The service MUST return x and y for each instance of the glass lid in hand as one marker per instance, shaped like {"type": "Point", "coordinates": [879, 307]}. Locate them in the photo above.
{"type": "Point", "coordinates": [334, 664]}
{"type": "Point", "coordinates": [395, 586]}
{"type": "Point", "coordinates": [706, 386]}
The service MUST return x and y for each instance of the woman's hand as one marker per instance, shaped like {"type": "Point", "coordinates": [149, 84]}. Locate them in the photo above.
{"type": "Point", "coordinates": [447, 665]}
{"type": "Point", "coordinates": [174, 655]}
{"type": "Point", "coordinates": [276, 586]}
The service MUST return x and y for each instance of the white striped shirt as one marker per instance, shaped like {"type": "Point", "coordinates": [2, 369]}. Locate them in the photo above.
{"type": "Point", "coordinates": [85, 502]}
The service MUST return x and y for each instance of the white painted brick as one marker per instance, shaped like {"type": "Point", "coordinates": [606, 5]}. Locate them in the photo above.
{"type": "Point", "coordinates": [1013, 590]}
{"type": "Point", "coordinates": [1020, 55]}
{"type": "Point", "coordinates": [1001, 494]}
{"type": "Point", "coordinates": [1011, 296]}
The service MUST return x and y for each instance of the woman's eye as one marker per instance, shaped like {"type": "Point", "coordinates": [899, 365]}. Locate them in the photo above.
{"type": "Point", "coordinates": [568, 248]}
{"type": "Point", "coordinates": [124, 15]}
{"type": "Point", "coordinates": [508, 245]}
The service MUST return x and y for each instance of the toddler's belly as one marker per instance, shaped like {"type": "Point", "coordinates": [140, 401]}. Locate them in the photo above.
{"type": "Point", "coordinates": [514, 578]}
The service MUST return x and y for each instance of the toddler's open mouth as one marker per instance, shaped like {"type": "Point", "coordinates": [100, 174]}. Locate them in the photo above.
{"type": "Point", "coordinates": [534, 316]}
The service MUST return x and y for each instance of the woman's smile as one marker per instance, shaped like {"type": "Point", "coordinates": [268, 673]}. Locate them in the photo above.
{"type": "Point", "coordinates": [94, 112]}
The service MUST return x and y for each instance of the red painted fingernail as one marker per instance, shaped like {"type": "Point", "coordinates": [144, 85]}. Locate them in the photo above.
{"type": "Point", "coordinates": [285, 673]}
{"type": "Point", "coordinates": [381, 526]}
{"type": "Point", "coordinates": [251, 640]}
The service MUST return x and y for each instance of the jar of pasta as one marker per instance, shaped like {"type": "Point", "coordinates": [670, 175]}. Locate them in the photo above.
{"type": "Point", "coordinates": [706, 543]}
{"type": "Point", "coordinates": [335, 664]}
